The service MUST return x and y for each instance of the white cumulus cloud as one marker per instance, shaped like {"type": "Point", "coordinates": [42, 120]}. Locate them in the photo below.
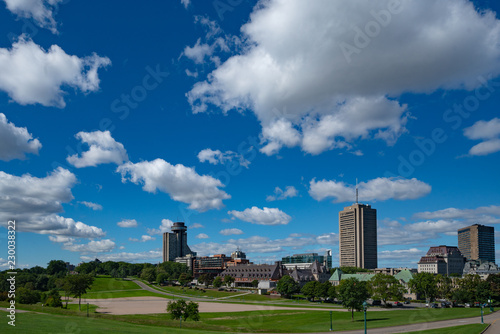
{"type": "Point", "coordinates": [103, 149]}
{"type": "Point", "coordinates": [489, 132]}
{"type": "Point", "coordinates": [182, 183]}
{"type": "Point", "coordinates": [265, 216]}
{"type": "Point", "coordinates": [279, 194]}
{"type": "Point", "coordinates": [35, 203]}
{"type": "Point", "coordinates": [16, 142]}
{"type": "Point", "coordinates": [231, 231]}
{"type": "Point", "coordinates": [29, 74]}
{"type": "Point", "coordinates": [165, 226]}
{"type": "Point", "coordinates": [93, 206]}
{"type": "Point", "coordinates": [379, 189]}
{"type": "Point", "coordinates": [99, 246]}
{"type": "Point", "coordinates": [202, 236]}
{"type": "Point", "coordinates": [218, 157]}
{"type": "Point", "coordinates": [41, 11]}
{"type": "Point", "coordinates": [294, 72]}
{"type": "Point", "coordinates": [143, 238]}
{"type": "Point", "coordinates": [127, 223]}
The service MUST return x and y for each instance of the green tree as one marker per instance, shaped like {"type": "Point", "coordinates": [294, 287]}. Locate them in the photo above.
{"type": "Point", "coordinates": [205, 279]}
{"type": "Point", "coordinates": [53, 299]}
{"type": "Point", "coordinates": [184, 279]}
{"type": "Point", "coordinates": [148, 274]}
{"type": "Point", "coordinates": [332, 292]}
{"type": "Point", "coordinates": [494, 281]}
{"type": "Point", "coordinates": [287, 286]}
{"type": "Point", "coordinates": [424, 284]}
{"type": "Point", "coordinates": [444, 286]}
{"type": "Point", "coordinates": [311, 290]}
{"type": "Point", "coordinates": [78, 285]}
{"type": "Point", "coordinates": [63, 284]}
{"type": "Point", "coordinates": [217, 283]}
{"type": "Point", "coordinates": [386, 287]}
{"type": "Point", "coordinates": [57, 267]}
{"type": "Point", "coordinates": [468, 288]}
{"type": "Point", "coordinates": [27, 296]}
{"type": "Point", "coordinates": [353, 293]}
{"type": "Point", "coordinates": [180, 308]}
{"type": "Point", "coordinates": [228, 280]}
{"type": "Point", "coordinates": [255, 283]}
{"type": "Point", "coordinates": [161, 278]}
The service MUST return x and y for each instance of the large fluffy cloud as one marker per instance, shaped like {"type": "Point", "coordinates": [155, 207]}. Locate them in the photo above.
{"type": "Point", "coordinates": [379, 189]}
{"type": "Point", "coordinates": [15, 142]}
{"type": "Point", "coordinates": [322, 74]}
{"type": "Point", "coordinates": [29, 74]}
{"type": "Point", "coordinates": [182, 183]}
{"type": "Point", "coordinates": [265, 216]}
{"type": "Point", "coordinates": [35, 204]}
{"type": "Point", "coordinates": [165, 226]}
{"type": "Point", "coordinates": [102, 149]}
{"type": "Point", "coordinates": [41, 11]}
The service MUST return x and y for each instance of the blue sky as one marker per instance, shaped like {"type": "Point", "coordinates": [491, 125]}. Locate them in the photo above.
{"type": "Point", "coordinates": [249, 121]}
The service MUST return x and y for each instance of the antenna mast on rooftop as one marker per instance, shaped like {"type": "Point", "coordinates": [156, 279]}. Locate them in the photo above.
{"type": "Point", "coordinates": [356, 190]}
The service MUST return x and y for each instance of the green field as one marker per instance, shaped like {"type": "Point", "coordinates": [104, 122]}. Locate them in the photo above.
{"type": "Point", "coordinates": [107, 287]}
{"type": "Point", "coordinates": [464, 329]}
{"type": "Point", "coordinates": [50, 323]}
{"type": "Point", "coordinates": [282, 321]}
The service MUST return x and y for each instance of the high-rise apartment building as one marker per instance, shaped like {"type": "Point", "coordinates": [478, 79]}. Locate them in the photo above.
{"type": "Point", "coordinates": [358, 236]}
{"type": "Point", "coordinates": [175, 243]}
{"type": "Point", "coordinates": [477, 242]}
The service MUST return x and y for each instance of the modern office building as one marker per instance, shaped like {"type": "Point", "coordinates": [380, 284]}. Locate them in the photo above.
{"type": "Point", "coordinates": [175, 243]}
{"type": "Point", "coordinates": [304, 261]}
{"type": "Point", "coordinates": [358, 236]}
{"type": "Point", "coordinates": [444, 260]}
{"type": "Point", "coordinates": [477, 242]}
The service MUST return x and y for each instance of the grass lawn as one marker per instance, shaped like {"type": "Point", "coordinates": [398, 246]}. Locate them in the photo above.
{"type": "Point", "coordinates": [50, 323]}
{"type": "Point", "coordinates": [107, 287]}
{"type": "Point", "coordinates": [282, 321]}
{"type": "Point", "coordinates": [210, 293]}
{"type": "Point", "coordinates": [464, 329]}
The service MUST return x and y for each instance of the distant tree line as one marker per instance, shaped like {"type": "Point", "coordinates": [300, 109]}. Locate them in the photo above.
{"type": "Point", "coordinates": [45, 285]}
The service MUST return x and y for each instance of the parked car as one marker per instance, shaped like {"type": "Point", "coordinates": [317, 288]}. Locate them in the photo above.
{"type": "Point", "coordinates": [445, 304]}
{"type": "Point", "coordinates": [467, 305]}
{"type": "Point", "coordinates": [407, 301]}
{"type": "Point", "coordinates": [376, 303]}
{"type": "Point", "coordinates": [398, 304]}
{"type": "Point", "coordinates": [434, 305]}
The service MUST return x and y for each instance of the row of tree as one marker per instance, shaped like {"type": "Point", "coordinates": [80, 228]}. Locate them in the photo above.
{"type": "Point", "coordinates": [352, 292]}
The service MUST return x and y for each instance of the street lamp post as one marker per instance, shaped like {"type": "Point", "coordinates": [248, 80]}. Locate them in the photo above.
{"type": "Point", "coordinates": [482, 313]}
{"type": "Point", "coordinates": [364, 309]}
{"type": "Point", "coordinates": [331, 324]}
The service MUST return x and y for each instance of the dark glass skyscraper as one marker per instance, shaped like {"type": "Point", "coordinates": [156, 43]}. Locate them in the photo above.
{"type": "Point", "coordinates": [477, 242]}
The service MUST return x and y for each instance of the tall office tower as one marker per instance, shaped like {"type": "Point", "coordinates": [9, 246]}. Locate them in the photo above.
{"type": "Point", "coordinates": [477, 242]}
{"type": "Point", "coordinates": [175, 243]}
{"type": "Point", "coordinates": [358, 236]}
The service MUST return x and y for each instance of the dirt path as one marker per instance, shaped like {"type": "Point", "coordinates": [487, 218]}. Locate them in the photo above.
{"type": "Point", "coordinates": [149, 305]}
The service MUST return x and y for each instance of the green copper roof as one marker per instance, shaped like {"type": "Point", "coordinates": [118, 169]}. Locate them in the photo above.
{"type": "Point", "coordinates": [336, 275]}
{"type": "Point", "coordinates": [404, 275]}
{"type": "Point", "coordinates": [339, 275]}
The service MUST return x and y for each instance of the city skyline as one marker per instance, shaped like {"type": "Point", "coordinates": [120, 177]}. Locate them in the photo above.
{"type": "Point", "coordinates": [248, 124]}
